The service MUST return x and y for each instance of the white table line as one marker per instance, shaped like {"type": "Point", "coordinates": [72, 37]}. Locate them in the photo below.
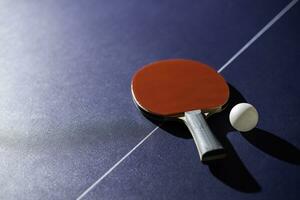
{"type": "Point", "coordinates": [248, 44]}
{"type": "Point", "coordinates": [116, 164]}
{"type": "Point", "coordinates": [257, 35]}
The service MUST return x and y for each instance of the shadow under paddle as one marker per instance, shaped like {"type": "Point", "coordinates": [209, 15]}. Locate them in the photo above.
{"type": "Point", "coordinates": [231, 170]}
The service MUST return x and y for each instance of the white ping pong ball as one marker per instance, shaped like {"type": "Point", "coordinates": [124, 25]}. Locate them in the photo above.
{"type": "Point", "coordinates": [243, 117]}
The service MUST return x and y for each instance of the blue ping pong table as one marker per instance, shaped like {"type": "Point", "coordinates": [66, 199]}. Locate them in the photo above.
{"type": "Point", "coordinates": [70, 130]}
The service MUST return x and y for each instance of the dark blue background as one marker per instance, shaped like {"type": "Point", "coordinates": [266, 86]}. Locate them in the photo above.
{"type": "Point", "coordinates": [66, 114]}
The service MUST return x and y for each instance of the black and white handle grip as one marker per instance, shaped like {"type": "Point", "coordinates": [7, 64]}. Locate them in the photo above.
{"type": "Point", "coordinates": [208, 146]}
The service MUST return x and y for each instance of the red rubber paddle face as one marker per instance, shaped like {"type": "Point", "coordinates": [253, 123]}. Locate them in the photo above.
{"type": "Point", "coordinates": [171, 87]}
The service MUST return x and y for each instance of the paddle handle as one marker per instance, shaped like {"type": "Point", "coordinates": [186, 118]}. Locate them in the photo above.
{"type": "Point", "coordinates": [208, 146]}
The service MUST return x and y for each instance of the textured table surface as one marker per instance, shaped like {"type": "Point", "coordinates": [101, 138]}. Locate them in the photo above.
{"type": "Point", "coordinates": [67, 118]}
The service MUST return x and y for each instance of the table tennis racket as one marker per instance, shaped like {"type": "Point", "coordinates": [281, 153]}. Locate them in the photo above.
{"type": "Point", "coordinates": [187, 90]}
